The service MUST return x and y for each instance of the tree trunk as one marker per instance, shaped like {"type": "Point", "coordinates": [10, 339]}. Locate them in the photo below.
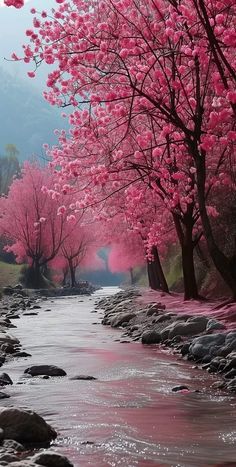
{"type": "Point", "coordinates": [132, 276]}
{"type": "Point", "coordinates": [185, 235]}
{"type": "Point", "coordinates": [159, 270]}
{"type": "Point", "coordinates": [72, 274]}
{"type": "Point", "coordinates": [156, 277]}
{"type": "Point", "coordinates": [225, 266]}
{"type": "Point", "coordinates": [190, 283]}
{"type": "Point", "coordinates": [153, 279]}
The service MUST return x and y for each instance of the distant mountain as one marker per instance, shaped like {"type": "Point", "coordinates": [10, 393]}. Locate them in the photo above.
{"type": "Point", "coordinates": [27, 120]}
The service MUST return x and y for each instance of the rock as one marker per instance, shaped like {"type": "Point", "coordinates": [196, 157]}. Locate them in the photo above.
{"type": "Point", "coordinates": [162, 318]}
{"type": "Point", "coordinates": [5, 379]}
{"type": "Point", "coordinates": [213, 324]}
{"type": "Point", "coordinates": [230, 340]}
{"type": "Point", "coordinates": [49, 370]}
{"type": "Point", "coordinates": [8, 348]}
{"type": "Point", "coordinates": [18, 287]}
{"type": "Point", "coordinates": [179, 388]}
{"type": "Point", "coordinates": [152, 311]}
{"type": "Point", "coordinates": [8, 458]}
{"type": "Point", "coordinates": [12, 446]}
{"type": "Point", "coordinates": [21, 354]}
{"type": "Point", "coordinates": [6, 338]}
{"type": "Point", "coordinates": [121, 318]}
{"type": "Point", "coordinates": [191, 327]}
{"type": "Point", "coordinates": [51, 459]}
{"type": "Point", "coordinates": [8, 290]}
{"type": "Point", "coordinates": [25, 426]}
{"type": "Point", "coordinates": [231, 374]}
{"type": "Point", "coordinates": [2, 358]}
{"type": "Point", "coordinates": [232, 385]}
{"type": "Point", "coordinates": [151, 337]}
{"type": "Point", "coordinates": [185, 349]}
{"type": "Point", "coordinates": [83, 377]}
{"type": "Point", "coordinates": [3, 395]}
{"type": "Point", "coordinates": [206, 345]}
{"type": "Point", "coordinates": [1, 434]}
{"type": "Point", "coordinates": [231, 362]}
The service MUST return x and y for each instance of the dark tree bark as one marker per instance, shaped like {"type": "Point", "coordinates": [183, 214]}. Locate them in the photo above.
{"type": "Point", "coordinates": [72, 273]}
{"type": "Point", "coordinates": [132, 280]}
{"type": "Point", "coordinates": [225, 266]}
{"type": "Point", "coordinates": [184, 231]}
{"type": "Point", "coordinates": [156, 277]}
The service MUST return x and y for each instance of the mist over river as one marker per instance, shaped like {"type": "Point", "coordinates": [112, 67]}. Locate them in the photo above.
{"type": "Point", "coordinates": [128, 416]}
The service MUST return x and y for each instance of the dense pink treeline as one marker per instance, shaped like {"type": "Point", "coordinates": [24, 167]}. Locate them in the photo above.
{"type": "Point", "coordinates": [38, 228]}
{"type": "Point", "coordinates": [149, 90]}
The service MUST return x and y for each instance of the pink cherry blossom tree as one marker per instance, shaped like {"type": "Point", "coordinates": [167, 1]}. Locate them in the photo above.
{"type": "Point", "coordinates": [34, 224]}
{"type": "Point", "coordinates": [155, 79]}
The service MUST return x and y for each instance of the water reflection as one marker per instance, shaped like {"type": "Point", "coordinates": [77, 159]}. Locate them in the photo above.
{"type": "Point", "coordinates": [129, 416]}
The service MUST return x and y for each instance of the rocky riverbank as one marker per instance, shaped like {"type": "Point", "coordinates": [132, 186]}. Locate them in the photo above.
{"type": "Point", "coordinates": [23, 433]}
{"type": "Point", "coordinates": [196, 331]}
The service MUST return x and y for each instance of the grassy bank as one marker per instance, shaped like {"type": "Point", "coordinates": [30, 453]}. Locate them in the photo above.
{"type": "Point", "coordinates": [9, 274]}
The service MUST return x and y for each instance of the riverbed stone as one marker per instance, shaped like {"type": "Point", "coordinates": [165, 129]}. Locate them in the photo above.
{"type": "Point", "coordinates": [49, 370]}
{"type": "Point", "coordinates": [5, 379]}
{"type": "Point", "coordinates": [7, 458]}
{"type": "Point", "coordinates": [151, 337]}
{"type": "Point", "coordinates": [214, 325]}
{"type": "Point", "coordinates": [179, 388]}
{"type": "Point", "coordinates": [21, 354]}
{"type": "Point", "coordinates": [3, 395]}
{"type": "Point", "coordinates": [25, 426]}
{"type": "Point", "coordinates": [206, 345]}
{"type": "Point", "coordinates": [51, 459]}
{"type": "Point", "coordinates": [121, 318]}
{"type": "Point", "coordinates": [232, 385]}
{"type": "Point", "coordinates": [7, 338]}
{"type": "Point", "coordinates": [191, 327]}
{"type": "Point", "coordinates": [230, 340]}
{"type": "Point", "coordinates": [12, 446]}
{"type": "Point", "coordinates": [230, 374]}
{"type": "Point", "coordinates": [83, 378]}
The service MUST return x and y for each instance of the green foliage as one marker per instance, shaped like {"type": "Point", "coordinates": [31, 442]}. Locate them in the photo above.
{"type": "Point", "coordinates": [9, 167]}
{"type": "Point", "coordinates": [173, 270]}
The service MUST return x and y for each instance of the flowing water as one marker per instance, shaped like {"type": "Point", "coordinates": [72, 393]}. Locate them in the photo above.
{"type": "Point", "coordinates": [129, 416]}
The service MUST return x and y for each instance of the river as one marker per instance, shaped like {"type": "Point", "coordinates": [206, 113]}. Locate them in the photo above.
{"type": "Point", "coordinates": [129, 416]}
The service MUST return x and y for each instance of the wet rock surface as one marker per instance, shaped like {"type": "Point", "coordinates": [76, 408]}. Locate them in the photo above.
{"type": "Point", "coordinates": [48, 370]}
{"type": "Point", "coordinates": [51, 459]}
{"type": "Point", "coordinates": [25, 426]}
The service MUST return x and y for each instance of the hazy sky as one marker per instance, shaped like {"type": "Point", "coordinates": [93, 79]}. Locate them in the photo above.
{"type": "Point", "coordinates": [13, 24]}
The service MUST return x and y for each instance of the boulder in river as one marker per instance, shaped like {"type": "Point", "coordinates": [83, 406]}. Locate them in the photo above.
{"type": "Point", "coordinates": [25, 426]}
{"type": "Point", "coordinates": [191, 327]}
{"type": "Point", "coordinates": [121, 318]}
{"type": "Point", "coordinates": [206, 345]}
{"type": "Point", "coordinates": [151, 337]}
{"type": "Point", "coordinates": [3, 395]}
{"type": "Point", "coordinates": [5, 380]}
{"type": "Point", "coordinates": [51, 459]}
{"type": "Point", "coordinates": [49, 370]}
{"type": "Point", "coordinates": [180, 388]}
{"type": "Point", "coordinates": [83, 377]}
